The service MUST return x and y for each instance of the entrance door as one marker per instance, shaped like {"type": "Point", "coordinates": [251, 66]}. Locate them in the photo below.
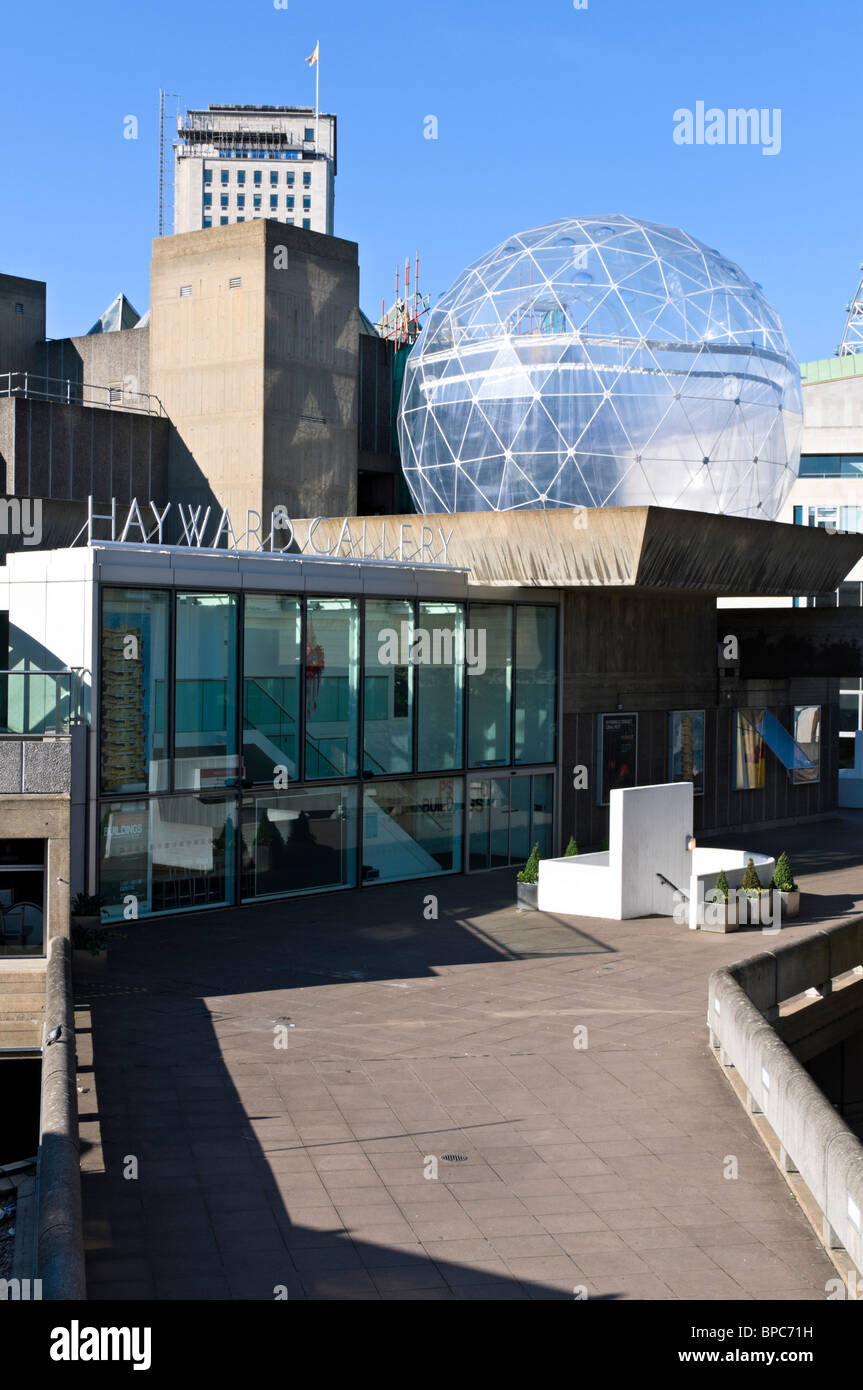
{"type": "Point", "coordinates": [507, 816]}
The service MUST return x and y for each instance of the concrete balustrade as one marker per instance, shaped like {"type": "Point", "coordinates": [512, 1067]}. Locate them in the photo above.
{"type": "Point", "coordinates": [59, 1232]}
{"type": "Point", "coordinates": [814, 1139]}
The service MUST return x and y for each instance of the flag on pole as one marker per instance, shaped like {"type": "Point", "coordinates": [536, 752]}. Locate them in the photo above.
{"type": "Point", "coordinates": [313, 57]}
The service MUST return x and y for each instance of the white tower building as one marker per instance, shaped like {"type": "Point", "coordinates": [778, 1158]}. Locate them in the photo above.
{"type": "Point", "coordinates": [239, 163]}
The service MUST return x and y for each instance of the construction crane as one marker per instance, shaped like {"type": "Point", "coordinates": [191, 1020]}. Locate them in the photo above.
{"type": "Point", "coordinates": [401, 322]}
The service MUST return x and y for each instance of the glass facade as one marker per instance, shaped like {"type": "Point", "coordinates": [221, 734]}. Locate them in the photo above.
{"type": "Point", "coordinates": [272, 636]}
{"type": "Point", "coordinates": [332, 687]}
{"type": "Point", "coordinates": [135, 656]}
{"type": "Point", "coordinates": [265, 745]}
{"type": "Point", "coordinates": [490, 684]}
{"type": "Point", "coordinates": [298, 842]}
{"type": "Point", "coordinates": [205, 686]}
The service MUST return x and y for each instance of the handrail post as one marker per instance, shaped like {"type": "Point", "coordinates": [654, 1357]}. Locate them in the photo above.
{"type": "Point", "coordinates": [58, 696]}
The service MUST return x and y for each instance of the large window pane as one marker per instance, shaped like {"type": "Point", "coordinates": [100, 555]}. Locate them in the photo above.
{"type": "Point", "coordinates": [299, 841]}
{"type": "Point", "coordinates": [441, 687]}
{"type": "Point", "coordinates": [271, 686]}
{"type": "Point", "coordinates": [135, 636]}
{"type": "Point", "coordinates": [387, 737]}
{"type": "Point", "coordinates": [807, 735]}
{"type": "Point", "coordinates": [751, 750]}
{"type": "Point", "coordinates": [535, 683]}
{"type": "Point", "coordinates": [332, 664]}
{"type": "Point", "coordinates": [489, 683]}
{"type": "Point", "coordinates": [412, 829]}
{"type": "Point", "coordinates": [205, 716]}
{"type": "Point", "coordinates": [166, 855]}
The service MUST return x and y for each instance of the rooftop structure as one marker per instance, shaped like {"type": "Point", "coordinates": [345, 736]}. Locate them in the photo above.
{"type": "Point", "coordinates": [239, 163]}
{"type": "Point", "coordinates": [602, 362]}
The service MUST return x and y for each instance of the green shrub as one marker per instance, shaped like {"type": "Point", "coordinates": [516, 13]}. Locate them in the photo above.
{"type": "Point", "coordinates": [751, 884]}
{"type": "Point", "coordinates": [572, 847]}
{"type": "Point", "coordinates": [720, 892]}
{"type": "Point", "coordinates": [87, 905]}
{"type": "Point", "coordinates": [530, 872]}
{"type": "Point", "coordinates": [783, 878]}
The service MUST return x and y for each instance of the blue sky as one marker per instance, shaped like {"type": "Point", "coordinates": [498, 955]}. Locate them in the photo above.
{"type": "Point", "coordinates": [543, 111]}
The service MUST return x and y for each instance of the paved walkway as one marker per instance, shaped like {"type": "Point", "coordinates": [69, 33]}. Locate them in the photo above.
{"type": "Point", "coordinates": [409, 1039]}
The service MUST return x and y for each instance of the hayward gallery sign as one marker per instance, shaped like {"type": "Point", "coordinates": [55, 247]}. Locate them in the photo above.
{"type": "Point", "coordinates": [208, 529]}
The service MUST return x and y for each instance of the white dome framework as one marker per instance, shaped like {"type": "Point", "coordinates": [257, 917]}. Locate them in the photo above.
{"type": "Point", "coordinates": [602, 362]}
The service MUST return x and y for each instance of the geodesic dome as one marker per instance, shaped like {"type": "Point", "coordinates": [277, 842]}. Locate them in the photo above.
{"type": "Point", "coordinates": [602, 361]}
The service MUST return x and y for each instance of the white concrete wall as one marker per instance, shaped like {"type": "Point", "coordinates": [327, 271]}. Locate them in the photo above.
{"type": "Point", "coordinates": [50, 604]}
{"type": "Point", "coordinates": [580, 885]}
{"type": "Point", "coordinates": [648, 830]}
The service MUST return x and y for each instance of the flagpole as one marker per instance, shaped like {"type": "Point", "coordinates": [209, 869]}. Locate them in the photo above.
{"type": "Point", "coordinates": [317, 92]}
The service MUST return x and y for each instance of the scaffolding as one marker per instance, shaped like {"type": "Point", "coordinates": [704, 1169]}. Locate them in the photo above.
{"type": "Point", "coordinates": [401, 322]}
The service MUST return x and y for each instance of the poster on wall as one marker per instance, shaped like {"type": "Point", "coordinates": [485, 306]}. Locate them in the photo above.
{"type": "Point", "coordinates": [618, 748]}
{"type": "Point", "coordinates": [751, 751]}
{"type": "Point", "coordinates": [687, 748]}
{"type": "Point", "coordinates": [807, 736]}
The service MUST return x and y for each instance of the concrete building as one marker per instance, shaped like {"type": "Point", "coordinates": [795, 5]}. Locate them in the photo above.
{"type": "Point", "coordinates": [252, 732]}
{"type": "Point", "coordinates": [253, 381]}
{"type": "Point", "coordinates": [244, 163]}
{"type": "Point", "coordinates": [254, 343]}
{"type": "Point", "coordinates": [22, 323]}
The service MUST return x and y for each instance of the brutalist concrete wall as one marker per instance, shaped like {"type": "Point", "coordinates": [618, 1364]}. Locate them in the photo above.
{"type": "Point", "coordinates": [22, 323]}
{"type": "Point", "coordinates": [54, 450]}
{"type": "Point", "coordinates": [207, 361]}
{"type": "Point", "coordinates": [816, 1140]}
{"type": "Point", "coordinates": [59, 1240]}
{"type": "Point", "coordinates": [254, 354]}
{"type": "Point", "coordinates": [311, 373]}
{"type": "Point", "coordinates": [101, 359]}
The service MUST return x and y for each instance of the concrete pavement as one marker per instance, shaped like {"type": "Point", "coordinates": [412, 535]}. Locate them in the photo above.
{"type": "Point", "coordinates": [581, 1161]}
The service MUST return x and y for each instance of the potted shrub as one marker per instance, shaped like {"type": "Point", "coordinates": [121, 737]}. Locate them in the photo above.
{"type": "Point", "coordinates": [527, 880]}
{"type": "Point", "coordinates": [572, 848]}
{"type": "Point", "coordinates": [88, 936]}
{"type": "Point", "coordinates": [760, 899]}
{"type": "Point", "coordinates": [87, 911]}
{"type": "Point", "coordinates": [720, 913]}
{"type": "Point", "coordinates": [787, 890]}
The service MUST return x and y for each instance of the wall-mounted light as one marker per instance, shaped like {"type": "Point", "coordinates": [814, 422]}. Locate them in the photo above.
{"type": "Point", "coordinates": [690, 843]}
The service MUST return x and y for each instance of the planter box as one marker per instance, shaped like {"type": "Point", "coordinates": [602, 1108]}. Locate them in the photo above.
{"type": "Point", "coordinates": [527, 895]}
{"type": "Point", "coordinates": [758, 911]}
{"type": "Point", "coordinates": [720, 917]}
{"type": "Point", "coordinates": [789, 902]}
{"type": "Point", "coordinates": [87, 923]}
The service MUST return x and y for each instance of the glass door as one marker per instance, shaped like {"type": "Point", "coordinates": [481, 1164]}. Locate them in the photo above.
{"type": "Point", "coordinates": [507, 816]}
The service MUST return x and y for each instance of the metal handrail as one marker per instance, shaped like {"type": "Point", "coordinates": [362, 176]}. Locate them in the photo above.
{"type": "Point", "coordinates": [29, 386]}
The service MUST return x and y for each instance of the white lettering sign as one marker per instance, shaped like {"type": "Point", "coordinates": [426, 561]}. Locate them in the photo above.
{"type": "Point", "coordinates": [202, 528]}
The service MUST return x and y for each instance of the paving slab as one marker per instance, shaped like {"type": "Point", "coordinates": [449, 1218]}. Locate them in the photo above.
{"type": "Point", "coordinates": [320, 1167]}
